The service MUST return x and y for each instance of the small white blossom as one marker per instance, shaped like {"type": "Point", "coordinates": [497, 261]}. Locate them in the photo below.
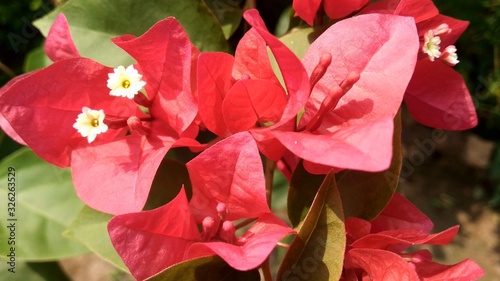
{"type": "Point", "coordinates": [431, 45]}
{"type": "Point", "coordinates": [450, 55]}
{"type": "Point", "coordinates": [90, 123]}
{"type": "Point", "coordinates": [125, 82]}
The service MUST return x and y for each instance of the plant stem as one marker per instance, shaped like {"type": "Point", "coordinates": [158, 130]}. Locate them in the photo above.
{"type": "Point", "coordinates": [496, 61]}
{"type": "Point", "coordinates": [269, 176]}
{"type": "Point", "coordinates": [266, 269]}
{"type": "Point", "coordinates": [251, 4]}
{"type": "Point", "coordinates": [283, 245]}
{"type": "Point", "coordinates": [7, 70]}
{"type": "Point", "coordinates": [243, 223]}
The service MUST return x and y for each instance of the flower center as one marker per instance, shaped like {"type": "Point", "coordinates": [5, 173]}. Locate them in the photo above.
{"type": "Point", "coordinates": [431, 45]}
{"type": "Point", "coordinates": [219, 228]}
{"type": "Point", "coordinates": [94, 123]}
{"type": "Point", "coordinates": [126, 84]}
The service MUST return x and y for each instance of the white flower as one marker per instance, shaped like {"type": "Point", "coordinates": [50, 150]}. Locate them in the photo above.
{"type": "Point", "coordinates": [125, 82]}
{"type": "Point", "coordinates": [90, 123]}
{"type": "Point", "coordinates": [431, 45]}
{"type": "Point", "coordinates": [450, 55]}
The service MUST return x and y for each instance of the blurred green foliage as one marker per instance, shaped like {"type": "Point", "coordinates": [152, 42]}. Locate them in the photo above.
{"type": "Point", "coordinates": [17, 34]}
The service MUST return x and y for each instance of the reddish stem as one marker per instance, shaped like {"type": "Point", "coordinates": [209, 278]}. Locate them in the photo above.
{"type": "Point", "coordinates": [266, 270]}
{"type": "Point", "coordinates": [269, 176]}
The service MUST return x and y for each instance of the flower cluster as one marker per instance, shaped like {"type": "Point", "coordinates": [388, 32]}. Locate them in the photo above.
{"type": "Point", "coordinates": [385, 240]}
{"type": "Point", "coordinates": [332, 110]}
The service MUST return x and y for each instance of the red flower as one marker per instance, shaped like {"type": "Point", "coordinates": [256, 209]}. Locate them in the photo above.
{"type": "Point", "coordinates": [43, 106]}
{"type": "Point", "coordinates": [228, 185]}
{"type": "Point", "coordinates": [334, 9]}
{"type": "Point", "coordinates": [357, 87]}
{"type": "Point", "coordinates": [436, 95]}
{"type": "Point", "coordinates": [375, 249]}
{"type": "Point", "coordinates": [243, 93]}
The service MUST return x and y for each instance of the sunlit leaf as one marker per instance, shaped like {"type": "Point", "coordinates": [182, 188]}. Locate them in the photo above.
{"type": "Point", "coordinates": [317, 251]}
{"type": "Point", "coordinates": [228, 12]}
{"type": "Point", "coordinates": [43, 203]}
{"type": "Point", "coordinates": [94, 22]}
{"type": "Point", "coordinates": [299, 39]}
{"type": "Point", "coordinates": [211, 268]}
{"type": "Point", "coordinates": [90, 229]}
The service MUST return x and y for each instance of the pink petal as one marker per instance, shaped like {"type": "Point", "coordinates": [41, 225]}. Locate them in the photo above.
{"type": "Point", "coordinates": [151, 241]}
{"type": "Point", "coordinates": [124, 171]}
{"type": "Point", "coordinates": [337, 9]}
{"type": "Point", "coordinates": [250, 102]}
{"type": "Point", "coordinates": [366, 147]}
{"type": "Point", "coordinates": [294, 75]}
{"type": "Point", "coordinates": [228, 172]}
{"type": "Point", "coordinates": [380, 265]}
{"type": "Point", "coordinates": [306, 9]}
{"type": "Point", "coordinates": [438, 97]}
{"type": "Point", "coordinates": [251, 249]}
{"type": "Point", "coordinates": [43, 107]}
{"type": "Point", "coordinates": [401, 214]}
{"type": "Point", "coordinates": [164, 54]}
{"type": "Point", "coordinates": [214, 82]}
{"type": "Point", "coordinates": [382, 49]}
{"type": "Point", "coordinates": [59, 43]}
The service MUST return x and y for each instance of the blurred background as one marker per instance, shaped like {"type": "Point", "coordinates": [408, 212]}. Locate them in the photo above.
{"type": "Point", "coordinates": [458, 180]}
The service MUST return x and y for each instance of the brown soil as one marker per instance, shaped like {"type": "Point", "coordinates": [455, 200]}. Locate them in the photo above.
{"type": "Point", "coordinates": [448, 187]}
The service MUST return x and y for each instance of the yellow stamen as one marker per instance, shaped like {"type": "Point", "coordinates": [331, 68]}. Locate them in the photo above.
{"type": "Point", "coordinates": [126, 84]}
{"type": "Point", "coordinates": [94, 122]}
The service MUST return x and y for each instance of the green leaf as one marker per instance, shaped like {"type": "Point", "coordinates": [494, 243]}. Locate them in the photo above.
{"type": "Point", "coordinates": [36, 59]}
{"type": "Point", "coordinates": [40, 271]}
{"type": "Point", "coordinates": [286, 21]}
{"type": "Point", "coordinates": [94, 22]}
{"type": "Point", "coordinates": [91, 229]}
{"type": "Point", "coordinates": [44, 202]}
{"type": "Point", "coordinates": [211, 268]}
{"type": "Point", "coordinates": [302, 191]}
{"type": "Point", "coordinates": [365, 194]}
{"type": "Point", "coordinates": [317, 252]}
{"type": "Point", "coordinates": [169, 179]}
{"type": "Point", "coordinates": [299, 39]}
{"type": "Point", "coordinates": [229, 14]}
